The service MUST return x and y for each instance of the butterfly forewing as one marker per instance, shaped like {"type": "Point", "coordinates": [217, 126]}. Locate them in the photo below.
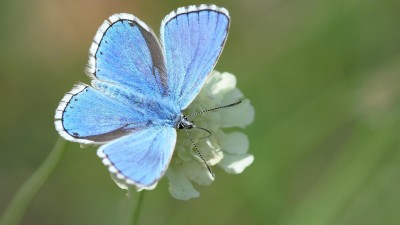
{"type": "Point", "coordinates": [193, 38]}
{"type": "Point", "coordinates": [126, 52]}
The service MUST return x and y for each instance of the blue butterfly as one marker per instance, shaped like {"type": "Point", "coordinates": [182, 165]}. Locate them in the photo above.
{"type": "Point", "coordinates": [139, 88]}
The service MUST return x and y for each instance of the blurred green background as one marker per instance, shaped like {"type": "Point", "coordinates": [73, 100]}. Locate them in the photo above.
{"type": "Point", "coordinates": [323, 76]}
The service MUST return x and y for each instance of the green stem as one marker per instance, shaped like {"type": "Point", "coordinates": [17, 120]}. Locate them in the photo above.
{"type": "Point", "coordinates": [16, 210]}
{"type": "Point", "coordinates": [138, 208]}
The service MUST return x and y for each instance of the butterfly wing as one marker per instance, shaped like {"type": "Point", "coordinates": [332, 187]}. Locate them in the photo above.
{"type": "Point", "coordinates": [126, 52]}
{"type": "Point", "coordinates": [140, 158]}
{"type": "Point", "coordinates": [87, 115]}
{"type": "Point", "coordinates": [193, 38]}
{"type": "Point", "coordinates": [127, 68]}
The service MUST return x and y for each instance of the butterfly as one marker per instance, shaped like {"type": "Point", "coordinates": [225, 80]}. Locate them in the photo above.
{"type": "Point", "coordinates": [139, 87]}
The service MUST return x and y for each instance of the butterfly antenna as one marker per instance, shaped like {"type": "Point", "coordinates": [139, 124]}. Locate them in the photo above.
{"type": "Point", "coordinates": [198, 152]}
{"type": "Point", "coordinates": [209, 132]}
{"type": "Point", "coordinates": [208, 110]}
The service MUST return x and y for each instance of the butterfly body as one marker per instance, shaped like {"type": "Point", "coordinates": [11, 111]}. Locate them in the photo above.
{"type": "Point", "coordinates": [139, 87]}
{"type": "Point", "coordinates": [152, 110]}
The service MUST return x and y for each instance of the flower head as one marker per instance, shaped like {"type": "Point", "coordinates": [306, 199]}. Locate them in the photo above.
{"type": "Point", "coordinates": [226, 150]}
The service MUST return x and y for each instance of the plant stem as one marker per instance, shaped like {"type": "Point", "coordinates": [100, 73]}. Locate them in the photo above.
{"type": "Point", "coordinates": [15, 211]}
{"type": "Point", "coordinates": [137, 209]}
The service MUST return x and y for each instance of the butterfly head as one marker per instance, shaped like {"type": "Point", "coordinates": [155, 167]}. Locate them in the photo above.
{"type": "Point", "coordinates": [184, 123]}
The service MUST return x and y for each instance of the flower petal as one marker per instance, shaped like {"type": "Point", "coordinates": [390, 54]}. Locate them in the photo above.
{"type": "Point", "coordinates": [179, 185]}
{"type": "Point", "coordinates": [234, 142]}
{"type": "Point", "coordinates": [210, 150]}
{"type": "Point", "coordinates": [198, 173]}
{"type": "Point", "coordinates": [235, 164]}
{"type": "Point", "coordinates": [224, 82]}
{"type": "Point", "coordinates": [241, 115]}
{"type": "Point", "coordinates": [232, 96]}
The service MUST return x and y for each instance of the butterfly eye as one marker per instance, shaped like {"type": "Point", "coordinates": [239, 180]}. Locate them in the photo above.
{"type": "Point", "coordinates": [184, 123]}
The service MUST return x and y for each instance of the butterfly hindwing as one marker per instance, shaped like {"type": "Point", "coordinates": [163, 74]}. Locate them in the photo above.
{"type": "Point", "coordinates": [193, 38]}
{"type": "Point", "coordinates": [141, 158]}
{"type": "Point", "coordinates": [86, 115]}
{"type": "Point", "coordinates": [126, 52]}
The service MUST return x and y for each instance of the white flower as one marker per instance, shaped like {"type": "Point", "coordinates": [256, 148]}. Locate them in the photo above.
{"type": "Point", "coordinates": [227, 150]}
